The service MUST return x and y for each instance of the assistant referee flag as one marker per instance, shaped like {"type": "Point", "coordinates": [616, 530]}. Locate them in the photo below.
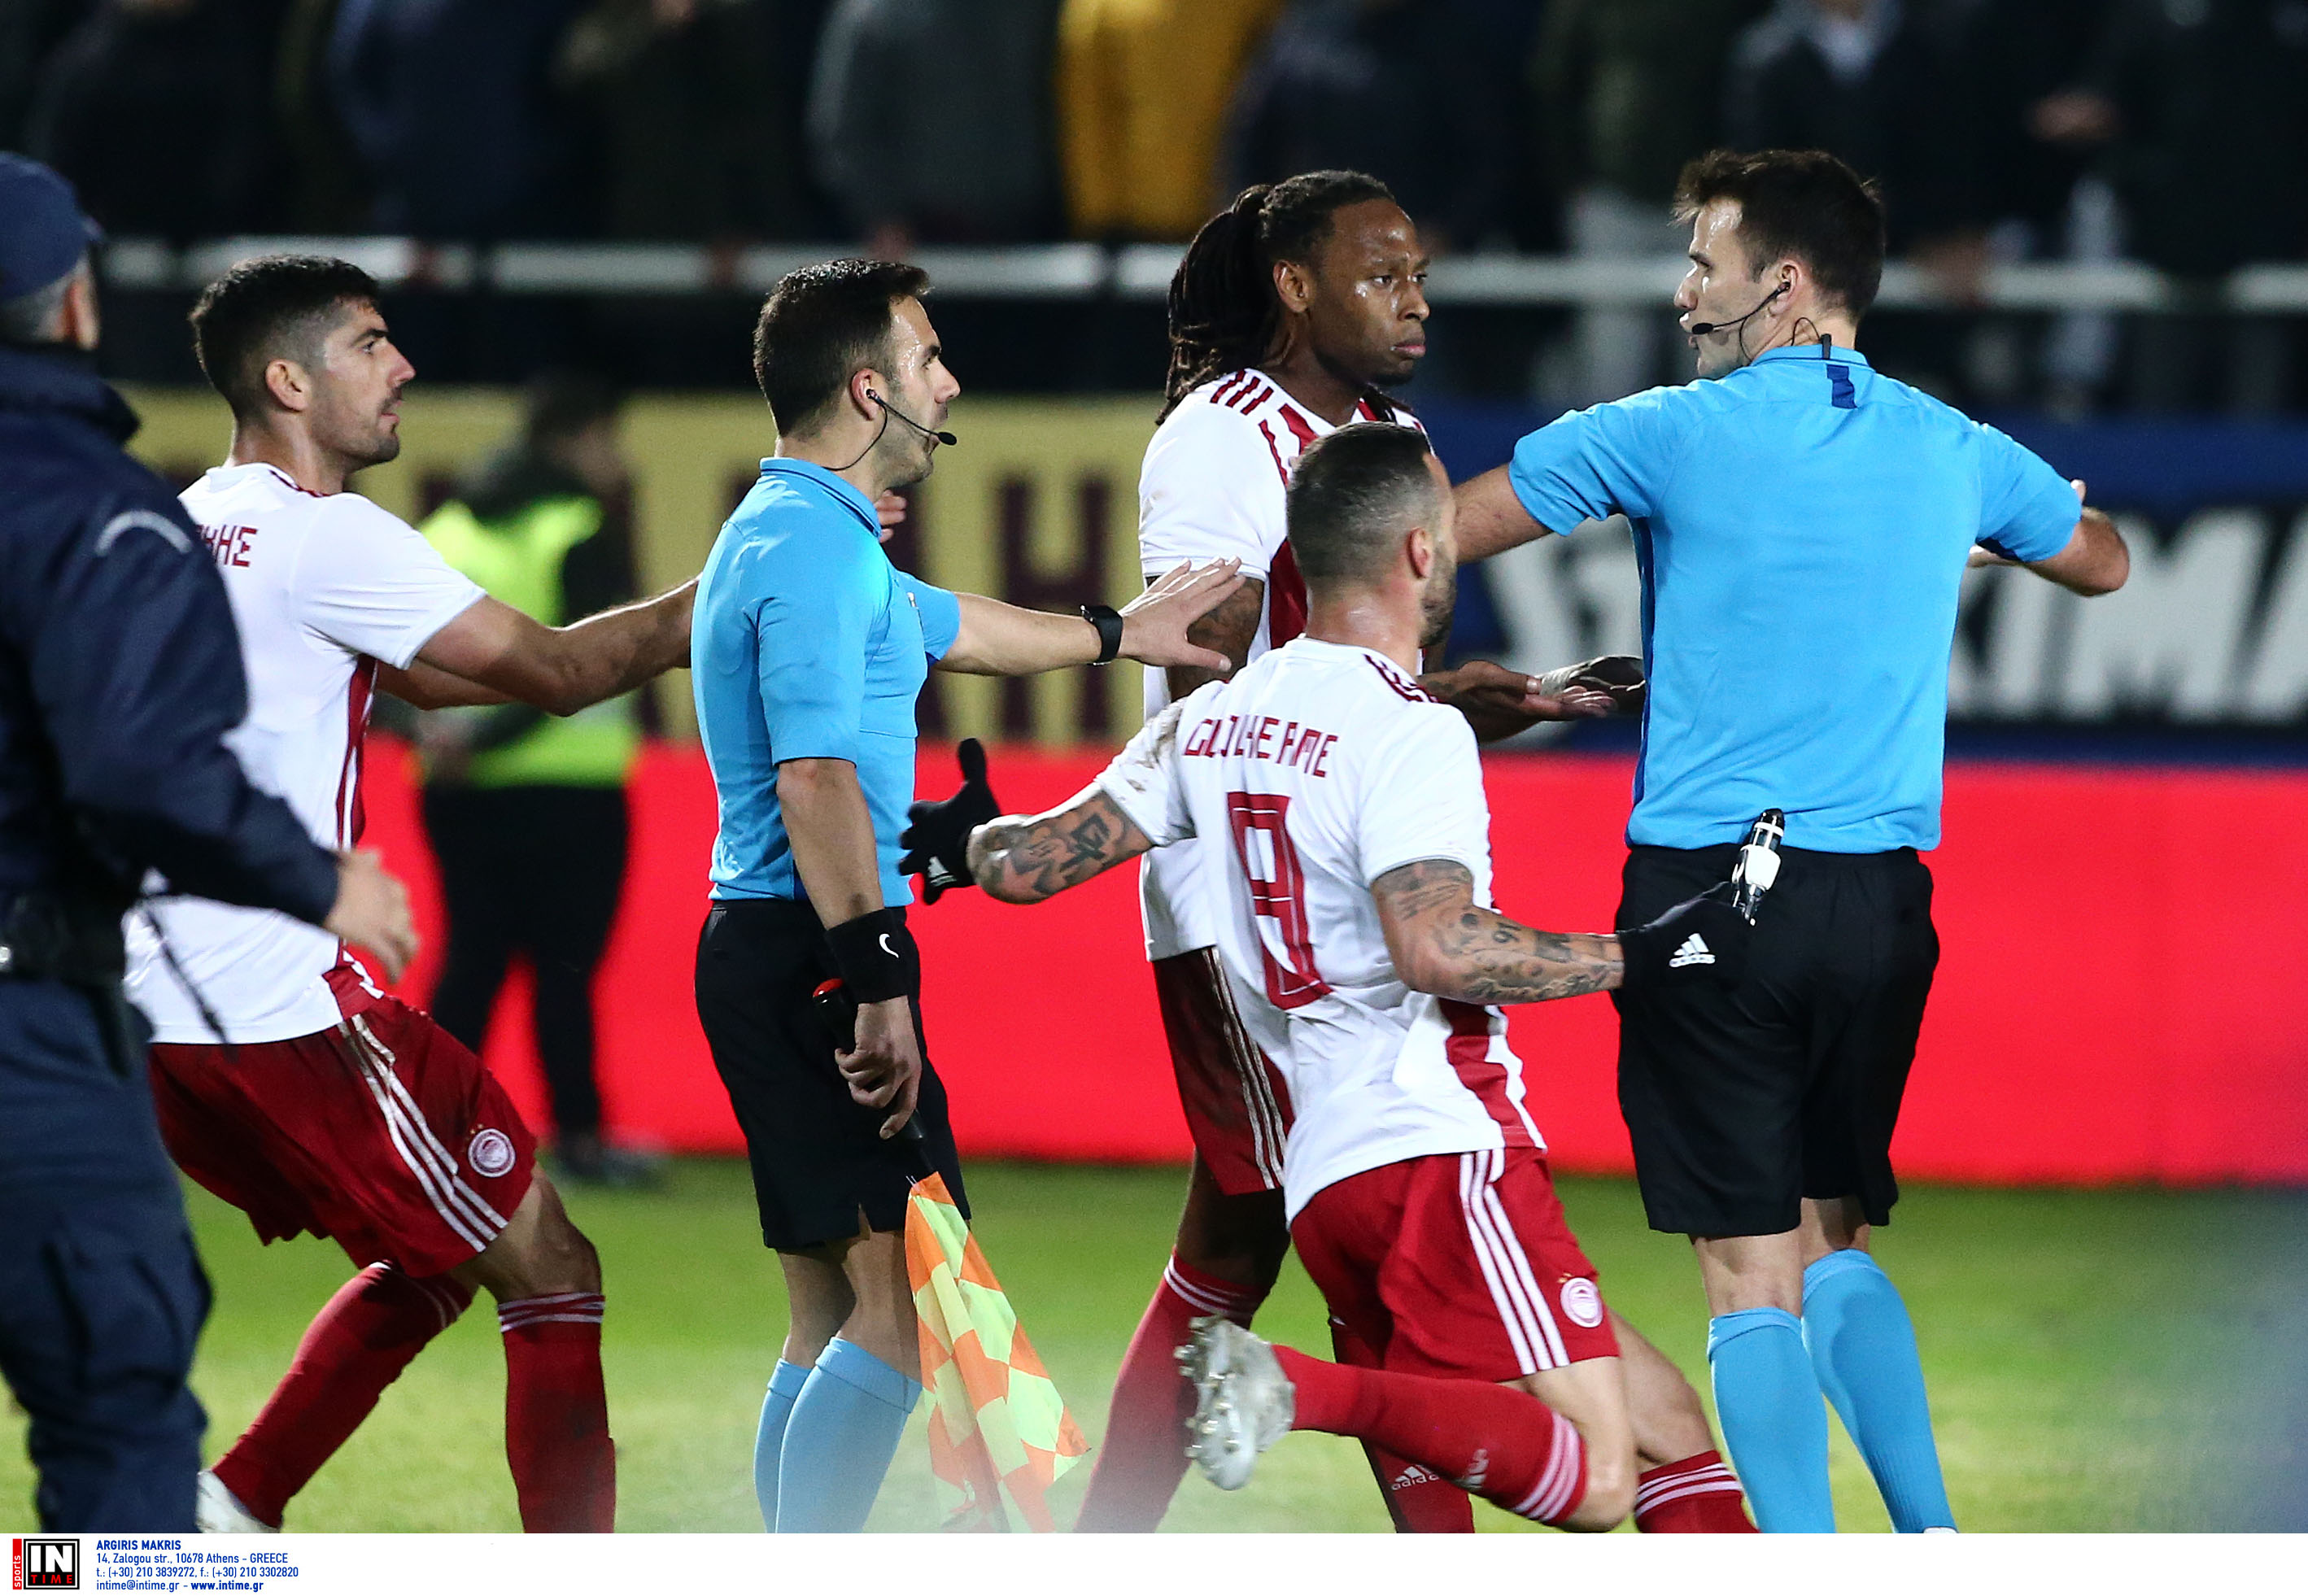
{"type": "Point", "coordinates": [996, 1422]}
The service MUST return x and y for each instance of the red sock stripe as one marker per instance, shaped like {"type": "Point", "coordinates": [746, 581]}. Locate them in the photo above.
{"type": "Point", "coordinates": [1563, 1482]}
{"type": "Point", "coordinates": [566, 1307]}
{"type": "Point", "coordinates": [1692, 1475]}
{"type": "Point", "coordinates": [1207, 1294]}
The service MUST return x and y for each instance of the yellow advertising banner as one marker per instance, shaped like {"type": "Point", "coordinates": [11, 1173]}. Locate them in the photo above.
{"type": "Point", "coordinates": [1037, 506]}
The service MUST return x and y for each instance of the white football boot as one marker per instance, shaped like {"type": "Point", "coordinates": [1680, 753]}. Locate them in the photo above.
{"type": "Point", "coordinates": [217, 1512]}
{"type": "Point", "coordinates": [1244, 1402]}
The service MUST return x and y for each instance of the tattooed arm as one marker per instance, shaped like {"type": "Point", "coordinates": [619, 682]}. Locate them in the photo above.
{"type": "Point", "coordinates": [1442, 942]}
{"type": "Point", "coordinates": [1023, 858]}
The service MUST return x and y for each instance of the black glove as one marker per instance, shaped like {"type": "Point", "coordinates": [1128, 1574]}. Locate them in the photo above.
{"type": "Point", "coordinates": [937, 839]}
{"type": "Point", "coordinates": [1700, 939]}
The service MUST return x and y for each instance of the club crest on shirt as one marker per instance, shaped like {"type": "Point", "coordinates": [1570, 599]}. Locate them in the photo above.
{"type": "Point", "coordinates": [490, 1153]}
{"type": "Point", "coordinates": [1583, 1304]}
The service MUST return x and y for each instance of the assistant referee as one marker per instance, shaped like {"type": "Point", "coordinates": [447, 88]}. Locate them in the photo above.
{"type": "Point", "coordinates": [809, 650]}
{"type": "Point", "coordinates": [1801, 525]}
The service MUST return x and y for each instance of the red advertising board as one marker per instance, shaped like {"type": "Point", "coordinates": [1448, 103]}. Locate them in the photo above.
{"type": "Point", "coordinates": [2123, 993]}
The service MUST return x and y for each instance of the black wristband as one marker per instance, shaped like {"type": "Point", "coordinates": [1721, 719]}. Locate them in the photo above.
{"type": "Point", "coordinates": [876, 956]}
{"type": "Point", "coordinates": [1108, 622]}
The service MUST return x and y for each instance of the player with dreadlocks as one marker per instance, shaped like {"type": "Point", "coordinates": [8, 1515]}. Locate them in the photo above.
{"type": "Point", "coordinates": [1294, 311]}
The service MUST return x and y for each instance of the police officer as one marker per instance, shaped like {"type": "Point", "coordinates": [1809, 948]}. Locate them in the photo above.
{"type": "Point", "coordinates": [1802, 524]}
{"type": "Point", "coordinates": [120, 675]}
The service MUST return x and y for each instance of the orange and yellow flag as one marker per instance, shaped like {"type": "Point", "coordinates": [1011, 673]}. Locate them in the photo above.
{"type": "Point", "coordinates": [996, 1422]}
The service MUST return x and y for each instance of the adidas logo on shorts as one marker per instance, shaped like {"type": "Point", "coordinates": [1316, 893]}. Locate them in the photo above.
{"type": "Point", "coordinates": [1694, 951]}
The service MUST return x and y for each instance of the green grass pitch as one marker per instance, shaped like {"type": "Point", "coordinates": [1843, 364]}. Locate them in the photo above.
{"type": "Point", "coordinates": [2100, 1360]}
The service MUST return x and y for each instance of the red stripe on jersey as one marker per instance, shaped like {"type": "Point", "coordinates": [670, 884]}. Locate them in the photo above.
{"type": "Point", "coordinates": [1251, 398]}
{"type": "Point", "coordinates": [351, 816]}
{"type": "Point", "coordinates": [1469, 1052]}
{"type": "Point", "coordinates": [1275, 449]}
{"type": "Point", "coordinates": [1286, 597]}
{"type": "Point", "coordinates": [1300, 426]}
{"type": "Point", "coordinates": [1226, 385]}
{"type": "Point", "coordinates": [289, 481]}
{"type": "Point", "coordinates": [1404, 688]}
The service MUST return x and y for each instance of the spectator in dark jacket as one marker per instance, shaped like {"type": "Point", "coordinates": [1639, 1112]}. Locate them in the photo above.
{"type": "Point", "coordinates": [159, 111]}
{"type": "Point", "coordinates": [1408, 92]}
{"type": "Point", "coordinates": [2209, 102]}
{"type": "Point", "coordinates": [691, 137]}
{"type": "Point", "coordinates": [1865, 79]}
{"type": "Point", "coordinates": [932, 120]}
{"type": "Point", "coordinates": [1628, 91]}
{"type": "Point", "coordinates": [450, 106]}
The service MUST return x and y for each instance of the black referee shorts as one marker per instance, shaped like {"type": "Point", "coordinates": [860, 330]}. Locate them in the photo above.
{"type": "Point", "coordinates": [1741, 1102]}
{"type": "Point", "coordinates": [818, 1159]}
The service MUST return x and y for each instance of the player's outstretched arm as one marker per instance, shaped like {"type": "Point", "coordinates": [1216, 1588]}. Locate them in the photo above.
{"type": "Point", "coordinates": [998, 639]}
{"type": "Point", "coordinates": [1442, 942]}
{"type": "Point", "coordinates": [1024, 858]}
{"type": "Point", "coordinates": [558, 669]}
{"type": "Point", "coordinates": [1499, 702]}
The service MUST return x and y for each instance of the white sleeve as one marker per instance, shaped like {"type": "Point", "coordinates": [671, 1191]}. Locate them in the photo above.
{"type": "Point", "coordinates": [1146, 780]}
{"type": "Point", "coordinates": [1423, 798]}
{"type": "Point", "coordinates": [368, 581]}
{"type": "Point", "coordinates": [1211, 489]}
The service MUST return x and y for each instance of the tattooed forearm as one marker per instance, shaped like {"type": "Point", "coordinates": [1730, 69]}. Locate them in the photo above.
{"type": "Point", "coordinates": [1445, 943]}
{"type": "Point", "coordinates": [1024, 859]}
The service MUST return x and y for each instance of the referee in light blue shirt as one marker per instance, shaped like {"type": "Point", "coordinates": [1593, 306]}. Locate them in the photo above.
{"type": "Point", "coordinates": [1802, 524]}
{"type": "Point", "coordinates": [808, 651]}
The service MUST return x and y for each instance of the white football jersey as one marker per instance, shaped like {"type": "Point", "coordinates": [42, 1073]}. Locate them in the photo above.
{"type": "Point", "coordinates": [322, 588]}
{"type": "Point", "coordinates": [1309, 775]}
{"type": "Point", "coordinates": [1211, 489]}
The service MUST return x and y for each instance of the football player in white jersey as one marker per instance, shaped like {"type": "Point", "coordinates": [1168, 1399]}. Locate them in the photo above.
{"type": "Point", "coordinates": [1354, 926]}
{"type": "Point", "coordinates": [287, 1082]}
{"type": "Point", "coordinates": [1291, 313]}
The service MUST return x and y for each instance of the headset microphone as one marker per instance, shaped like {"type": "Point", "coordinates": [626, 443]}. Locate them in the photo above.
{"type": "Point", "coordinates": [1701, 329]}
{"type": "Point", "coordinates": [947, 439]}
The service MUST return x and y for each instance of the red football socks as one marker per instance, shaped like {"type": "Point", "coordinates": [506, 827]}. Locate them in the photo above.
{"type": "Point", "coordinates": [1143, 1454]}
{"type": "Point", "coordinates": [355, 1347]}
{"type": "Point", "coordinates": [1505, 1445]}
{"type": "Point", "coordinates": [1418, 1500]}
{"type": "Point", "coordinates": [564, 1468]}
{"type": "Point", "coordinates": [1697, 1496]}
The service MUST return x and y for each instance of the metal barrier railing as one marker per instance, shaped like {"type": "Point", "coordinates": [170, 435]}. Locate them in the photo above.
{"type": "Point", "coordinates": [1141, 272]}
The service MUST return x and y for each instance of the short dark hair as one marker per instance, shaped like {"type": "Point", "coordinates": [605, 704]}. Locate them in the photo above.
{"type": "Point", "coordinates": [271, 306]}
{"type": "Point", "coordinates": [1803, 203]}
{"type": "Point", "coordinates": [822, 324]}
{"type": "Point", "coordinates": [1351, 493]}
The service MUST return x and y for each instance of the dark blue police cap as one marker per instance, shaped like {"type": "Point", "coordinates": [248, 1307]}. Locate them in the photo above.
{"type": "Point", "coordinates": [42, 232]}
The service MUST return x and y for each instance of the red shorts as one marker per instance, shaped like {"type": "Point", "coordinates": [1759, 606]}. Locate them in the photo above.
{"type": "Point", "coordinates": [1236, 1106]}
{"type": "Point", "coordinates": [384, 1133]}
{"type": "Point", "coordinates": [1459, 1263]}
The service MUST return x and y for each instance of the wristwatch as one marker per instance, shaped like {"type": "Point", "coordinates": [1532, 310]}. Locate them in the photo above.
{"type": "Point", "coordinates": [1108, 622]}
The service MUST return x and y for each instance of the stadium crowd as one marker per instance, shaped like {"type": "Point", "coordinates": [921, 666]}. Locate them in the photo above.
{"type": "Point", "coordinates": [2171, 132]}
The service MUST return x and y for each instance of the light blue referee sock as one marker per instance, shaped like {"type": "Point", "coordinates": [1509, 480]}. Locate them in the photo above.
{"type": "Point", "coordinates": [839, 1440]}
{"type": "Point", "coordinates": [786, 1382]}
{"type": "Point", "coordinates": [1774, 1424]}
{"type": "Point", "coordinates": [1862, 1346]}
